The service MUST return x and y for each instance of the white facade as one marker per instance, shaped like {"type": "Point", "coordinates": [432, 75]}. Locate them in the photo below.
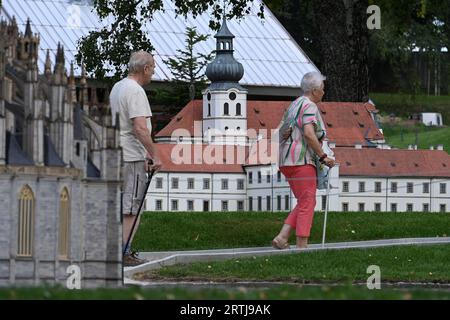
{"type": "Point", "coordinates": [225, 116]}
{"type": "Point", "coordinates": [394, 194]}
{"type": "Point", "coordinates": [432, 119]}
{"type": "Point", "coordinates": [174, 191]}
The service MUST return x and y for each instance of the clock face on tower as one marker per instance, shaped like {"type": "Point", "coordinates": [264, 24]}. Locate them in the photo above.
{"type": "Point", "coordinates": [232, 96]}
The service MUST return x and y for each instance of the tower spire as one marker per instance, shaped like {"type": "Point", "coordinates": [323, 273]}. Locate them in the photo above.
{"type": "Point", "coordinates": [224, 69]}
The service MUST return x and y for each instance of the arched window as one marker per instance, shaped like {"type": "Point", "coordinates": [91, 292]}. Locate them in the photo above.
{"type": "Point", "coordinates": [226, 109]}
{"type": "Point", "coordinates": [209, 110]}
{"type": "Point", "coordinates": [25, 235]}
{"type": "Point", "coordinates": [64, 224]}
{"type": "Point", "coordinates": [238, 109]}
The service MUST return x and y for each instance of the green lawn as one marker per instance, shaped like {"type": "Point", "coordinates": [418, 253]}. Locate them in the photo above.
{"type": "Point", "coordinates": [161, 231]}
{"type": "Point", "coordinates": [427, 263]}
{"type": "Point", "coordinates": [401, 136]}
{"type": "Point", "coordinates": [277, 293]}
{"type": "Point", "coordinates": [404, 105]}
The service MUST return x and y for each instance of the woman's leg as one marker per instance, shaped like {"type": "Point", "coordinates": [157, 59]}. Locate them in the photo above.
{"type": "Point", "coordinates": [302, 180]}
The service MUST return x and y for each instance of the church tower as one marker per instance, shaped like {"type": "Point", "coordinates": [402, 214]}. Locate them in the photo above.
{"type": "Point", "coordinates": [61, 109]}
{"type": "Point", "coordinates": [33, 134]}
{"type": "Point", "coordinates": [2, 101]}
{"type": "Point", "coordinates": [225, 101]}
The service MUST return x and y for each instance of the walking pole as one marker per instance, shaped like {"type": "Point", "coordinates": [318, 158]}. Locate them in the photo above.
{"type": "Point", "coordinates": [147, 185]}
{"type": "Point", "coordinates": [326, 209]}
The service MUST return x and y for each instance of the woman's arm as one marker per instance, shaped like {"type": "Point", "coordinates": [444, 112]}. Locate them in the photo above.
{"type": "Point", "coordinates": [314, 144]}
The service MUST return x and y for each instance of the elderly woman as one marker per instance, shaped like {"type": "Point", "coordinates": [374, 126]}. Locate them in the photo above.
{"type": "Point", "coordinates": [301, 134]}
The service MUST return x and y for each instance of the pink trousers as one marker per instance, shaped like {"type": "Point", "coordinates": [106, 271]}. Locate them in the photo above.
{"type": "Point", "coordinates": [302, 180]}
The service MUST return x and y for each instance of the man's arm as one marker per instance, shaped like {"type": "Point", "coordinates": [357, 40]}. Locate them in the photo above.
{"type": "Point", "coordinates": [143, 135]}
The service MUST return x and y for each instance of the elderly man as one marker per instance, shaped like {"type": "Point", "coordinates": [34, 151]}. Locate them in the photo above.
{"type": "Point", "coordinates": [129, 100]}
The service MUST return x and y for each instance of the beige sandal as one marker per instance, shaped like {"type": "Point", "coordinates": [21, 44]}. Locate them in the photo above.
{"type": "Point", "coordinates": [277, 243]}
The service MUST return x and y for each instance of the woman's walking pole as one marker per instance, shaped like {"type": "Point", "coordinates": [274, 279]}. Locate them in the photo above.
{"type": "Point", "coordinates": [326, 209]}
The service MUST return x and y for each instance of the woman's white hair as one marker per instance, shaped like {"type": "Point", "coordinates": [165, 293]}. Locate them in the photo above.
{"type": "Point", "coordinates": [312, 80]}
{"type": "Point", "coordinates": [138, 60]}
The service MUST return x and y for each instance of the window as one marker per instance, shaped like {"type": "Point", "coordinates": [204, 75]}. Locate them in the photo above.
{"type": "Point", "coordinates": [426, 187]}
{"type": "Point", "coordinates": [240, 184]}
{"type": "Point", "coordinates": [393, 207]}
{"type": "Point", "coordinates": [286, 202]}
{"type": "Point", "coordinates": [209, 110]}
{"type": "Point", "coordinates": [232, 96]}
{"type": "Point", "coordinates": [224, 184]}
{"type": "Point", "coordinates": [224, 205]}
{"type": "Point", "coordinates": [174, 205]}
{"type": "Point", "coordinates": [250, 177]}
{"type": "Point", "coordinates": [345, 186]}
{"type": "Point", "coordinates": [159, 182]}
{"type": "Point", "coordinates": [279, 203]}
{"type": "Point", "coordinates": [268, 206]}
{"type": "Point", "coordinates": [240, 205]}
{"type": "Point", "coordinates": [425, 207]}
{"type": "Point", "coordinates": [25, 236]}
{"type": "Point", "coordinates": [175, 183]}
{"type": "Point", "coordinates": [250, 203]}
{"type": "Point", "coordinates": [64, 224]}
{"type": "Point", "coordinates": [377, 207]}
{"type": "Point", "coordinates": [206, 183]}
{"type": "Point", "coordinates": [393, 187]}
{"type": "Point", "coordinates": [226, 109]}
{"type": "Point", "coordinates": [279, 176]}
{"type": "Point", "coordinates": [238, 109]}
{"type": "Point", "coordinates": [77, 149]}
{"type": "Point", "coordinates": [259, 203]}
{"type": "Point", "coordinates": [362, 187]}
{"type": "Point", "coordinates": [345, 207]}
{"type": "Point", "coordinates": [259, 177]}
{"type": "Point", "coordinates": [409, 187]}
{"type": "Point", "coordinates": [158, 205]}
{"type": "Point", "coordinates": [443, 208]}
{"type": "Point", "coordinates": [268, 178]}
{"type": "Point", "coordinates": [205, 205]}
{"type": "Point", "coordinates": [190, 183]}
{"type": "Point", "coordinates": [361, 207]}
{"type": "Point", "coordinates": [190, 205]}
{"type": "Point", "coordinates": [377, 187]}
{"type": "Point", "coordinates": [409, 207]}
{"type": "Point", "coordinates": [324, 203]}
{"type": "Point", "coordinates": [443, 188]}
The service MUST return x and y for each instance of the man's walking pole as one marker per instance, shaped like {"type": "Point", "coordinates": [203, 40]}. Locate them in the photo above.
{"type": "Point", "coordinates": [326, 209]}
{"type": "Point", "coordinates": [147, 185]}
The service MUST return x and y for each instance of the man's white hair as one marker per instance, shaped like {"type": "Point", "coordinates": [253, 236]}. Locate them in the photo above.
{"type": "Point", "coordinates": [312, 80]}
{"type": "Point", "coordinates": [138, 60]}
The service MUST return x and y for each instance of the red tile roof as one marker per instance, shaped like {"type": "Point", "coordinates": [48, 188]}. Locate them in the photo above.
{"type": "Point", "coordinates": [173, 156]}
{"type": "Point", "coordinates": [392, 163]}
{"type": "Point", "coordinates": [350, 122]}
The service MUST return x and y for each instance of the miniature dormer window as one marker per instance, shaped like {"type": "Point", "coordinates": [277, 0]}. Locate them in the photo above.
{"type": "Point", "coordinates": [238, 109]}
{"type": "Point", "coordinates": [226, 109]}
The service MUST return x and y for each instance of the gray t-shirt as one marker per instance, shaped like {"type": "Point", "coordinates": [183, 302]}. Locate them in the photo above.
{"type": "Point", "coordinates": [129, 100]}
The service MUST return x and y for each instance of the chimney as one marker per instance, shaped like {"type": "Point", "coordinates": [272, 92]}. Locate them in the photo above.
{"type": "Point", "coordinates": [440, 147]}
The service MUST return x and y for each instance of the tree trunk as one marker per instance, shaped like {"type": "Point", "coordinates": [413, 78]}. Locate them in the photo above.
{"type": "Point", "coordinates": [343, 42]}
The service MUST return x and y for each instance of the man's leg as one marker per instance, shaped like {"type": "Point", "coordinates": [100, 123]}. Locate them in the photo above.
{"type": "Point", "coordinates": [128, 221]}
{"type": "Point", "coordinates": [135, 179]}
